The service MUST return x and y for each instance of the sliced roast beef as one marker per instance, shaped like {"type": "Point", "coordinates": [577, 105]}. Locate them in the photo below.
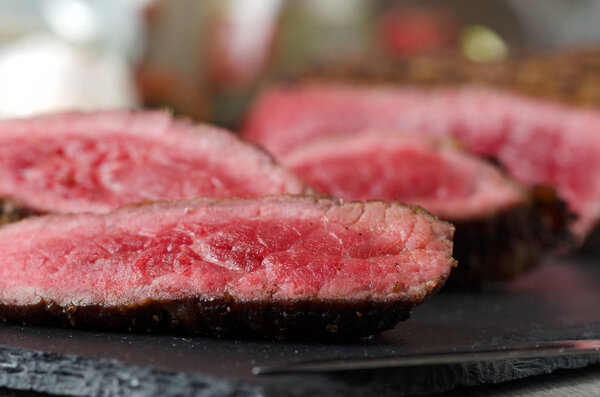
{"type": "Point", "coordinates": [569, 76]}
{"type": "Point", "coordinates": [499, 232]}
{"type": "Point", "coordinates": [283, 266]}
{"type": "Point", "coordinates": [538, 142]}
{"type": "Point", "coordinates": [98, 161]}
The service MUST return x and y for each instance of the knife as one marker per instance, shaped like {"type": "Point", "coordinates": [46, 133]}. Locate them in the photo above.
{"type": "Point", "coordinates": [561, 348]}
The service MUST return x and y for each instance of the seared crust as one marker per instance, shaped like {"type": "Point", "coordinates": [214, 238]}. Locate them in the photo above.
{"type": "Point", "coordinates": [566, 76]}
{"type": "Point", "coordinates": [10, 211]}
{"type": "Point", "coordinates": [592, 241]}
{"type": "Point", "coordinates": [501, 246]}
{"type": "Point", "coordinates": [225, 317]}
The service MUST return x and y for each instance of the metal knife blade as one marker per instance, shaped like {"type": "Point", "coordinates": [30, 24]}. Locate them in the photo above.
{"type": "Point", "coordinates": [524, 351]}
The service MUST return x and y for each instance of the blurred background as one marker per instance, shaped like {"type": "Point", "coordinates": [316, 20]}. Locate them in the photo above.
{"type": "Point", "coordinates": [206, 59]}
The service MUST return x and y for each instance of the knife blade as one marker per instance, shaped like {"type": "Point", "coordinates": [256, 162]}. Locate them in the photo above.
{"type": "Point", "coordinates": [562, 348]}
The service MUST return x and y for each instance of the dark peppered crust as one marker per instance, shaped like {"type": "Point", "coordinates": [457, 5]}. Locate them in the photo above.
{"type": "Point", "coordinates": [592, 241]}
{"type": "Point", "coordinates": [503, 245]}
{"type": "Point", "coordinates": [10, 211]}
{"type": "Point", "coordinates": [568, 76]}
{"type": "Point", "coordinates": [226, 317]}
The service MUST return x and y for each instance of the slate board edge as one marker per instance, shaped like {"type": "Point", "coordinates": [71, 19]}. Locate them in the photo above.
{"type": "Point", "coordinates": [65, 374]}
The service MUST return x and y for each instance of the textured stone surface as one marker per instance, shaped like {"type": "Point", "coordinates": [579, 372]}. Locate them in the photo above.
{"type": "Point", "coordinates": [57, 373]}
{"type": "Point", "coordinates": [584, 382]}
{"type": "Point", "coordinates": [61, 374]}
{"type": "Point", "coordinates": [556, 301]}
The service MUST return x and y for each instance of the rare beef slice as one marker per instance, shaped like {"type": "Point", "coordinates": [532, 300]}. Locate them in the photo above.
{"type": "Point", "coordinates": [278, 266]}
{"type": "Point", "coordinates": [96, 162]}
{"type": "Point", "coordinates": [538, 142]}
{"type": "Point", "coordinates": [501, 229]}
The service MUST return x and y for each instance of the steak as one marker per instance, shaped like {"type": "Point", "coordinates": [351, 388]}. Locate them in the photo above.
{"type": "Point", "coordinates": [499, 232]}
{"type": "Point", "coordinates": [537, 142]}
{"type": "Point", "coordinates": [407, 167]}
{"type": "Point", "coordinates": [278, 266]}
{"type": "Point", "coordinates": [569, 76]}
{"type": "Point", "coordinates": [95, 162]}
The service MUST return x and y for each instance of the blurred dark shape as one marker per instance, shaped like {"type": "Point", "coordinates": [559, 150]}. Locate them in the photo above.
{"type": "Point", "coordinates": [161, 88]}
{"type": "Point", "coordinates": [200, 54]}
{"type": "Point", "coordinates": [207, 59]}
{"type": "Point", "coordinates": [171, 74]}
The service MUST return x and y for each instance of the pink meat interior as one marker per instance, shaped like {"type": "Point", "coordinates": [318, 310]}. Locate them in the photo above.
{"type": "Point", "coordinates": [97, 162]}
{"type": "Point", "coordinates": [407, 168]}
{"type": "Point", "coordinates": [274, 248]}
{"type": "Point", "coordinates": [537, 142]}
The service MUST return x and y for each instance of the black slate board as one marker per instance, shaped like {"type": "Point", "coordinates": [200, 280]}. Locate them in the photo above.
{"type": "Point", "coordinates": [560, 299]}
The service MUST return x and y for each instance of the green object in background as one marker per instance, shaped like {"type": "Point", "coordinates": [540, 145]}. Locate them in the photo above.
{"type": "Point", "coordinates": [481, 44]}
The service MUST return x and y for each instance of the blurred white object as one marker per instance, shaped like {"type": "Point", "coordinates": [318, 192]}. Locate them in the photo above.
{"type": "Point", "coordinates": [114, 26]}
{"type": "Point", "coordinates": [73, 20]}
{"type": "Point", "coordinates": [41, 74]}
{"type": "Point", "coordinates": [111, 25]}
{"type": "Point", "coordinates": [251, 25]}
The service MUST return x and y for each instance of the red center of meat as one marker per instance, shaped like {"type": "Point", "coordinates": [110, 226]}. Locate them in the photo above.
{"type": "Point", "coordinates": [407, 175]}
{"type": "Point", "coordinates": [103, 174]}
{"type": "Point", "coordinates": [290, 249]}
{"type": "Point", "coordinates": [115, 170]}
{"type": "Point", "coordinates": [95, 162]}
{"type": "Point", "coordinates": [537, 142]}
{"type": "Point", "coordinates": [378, 165]}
